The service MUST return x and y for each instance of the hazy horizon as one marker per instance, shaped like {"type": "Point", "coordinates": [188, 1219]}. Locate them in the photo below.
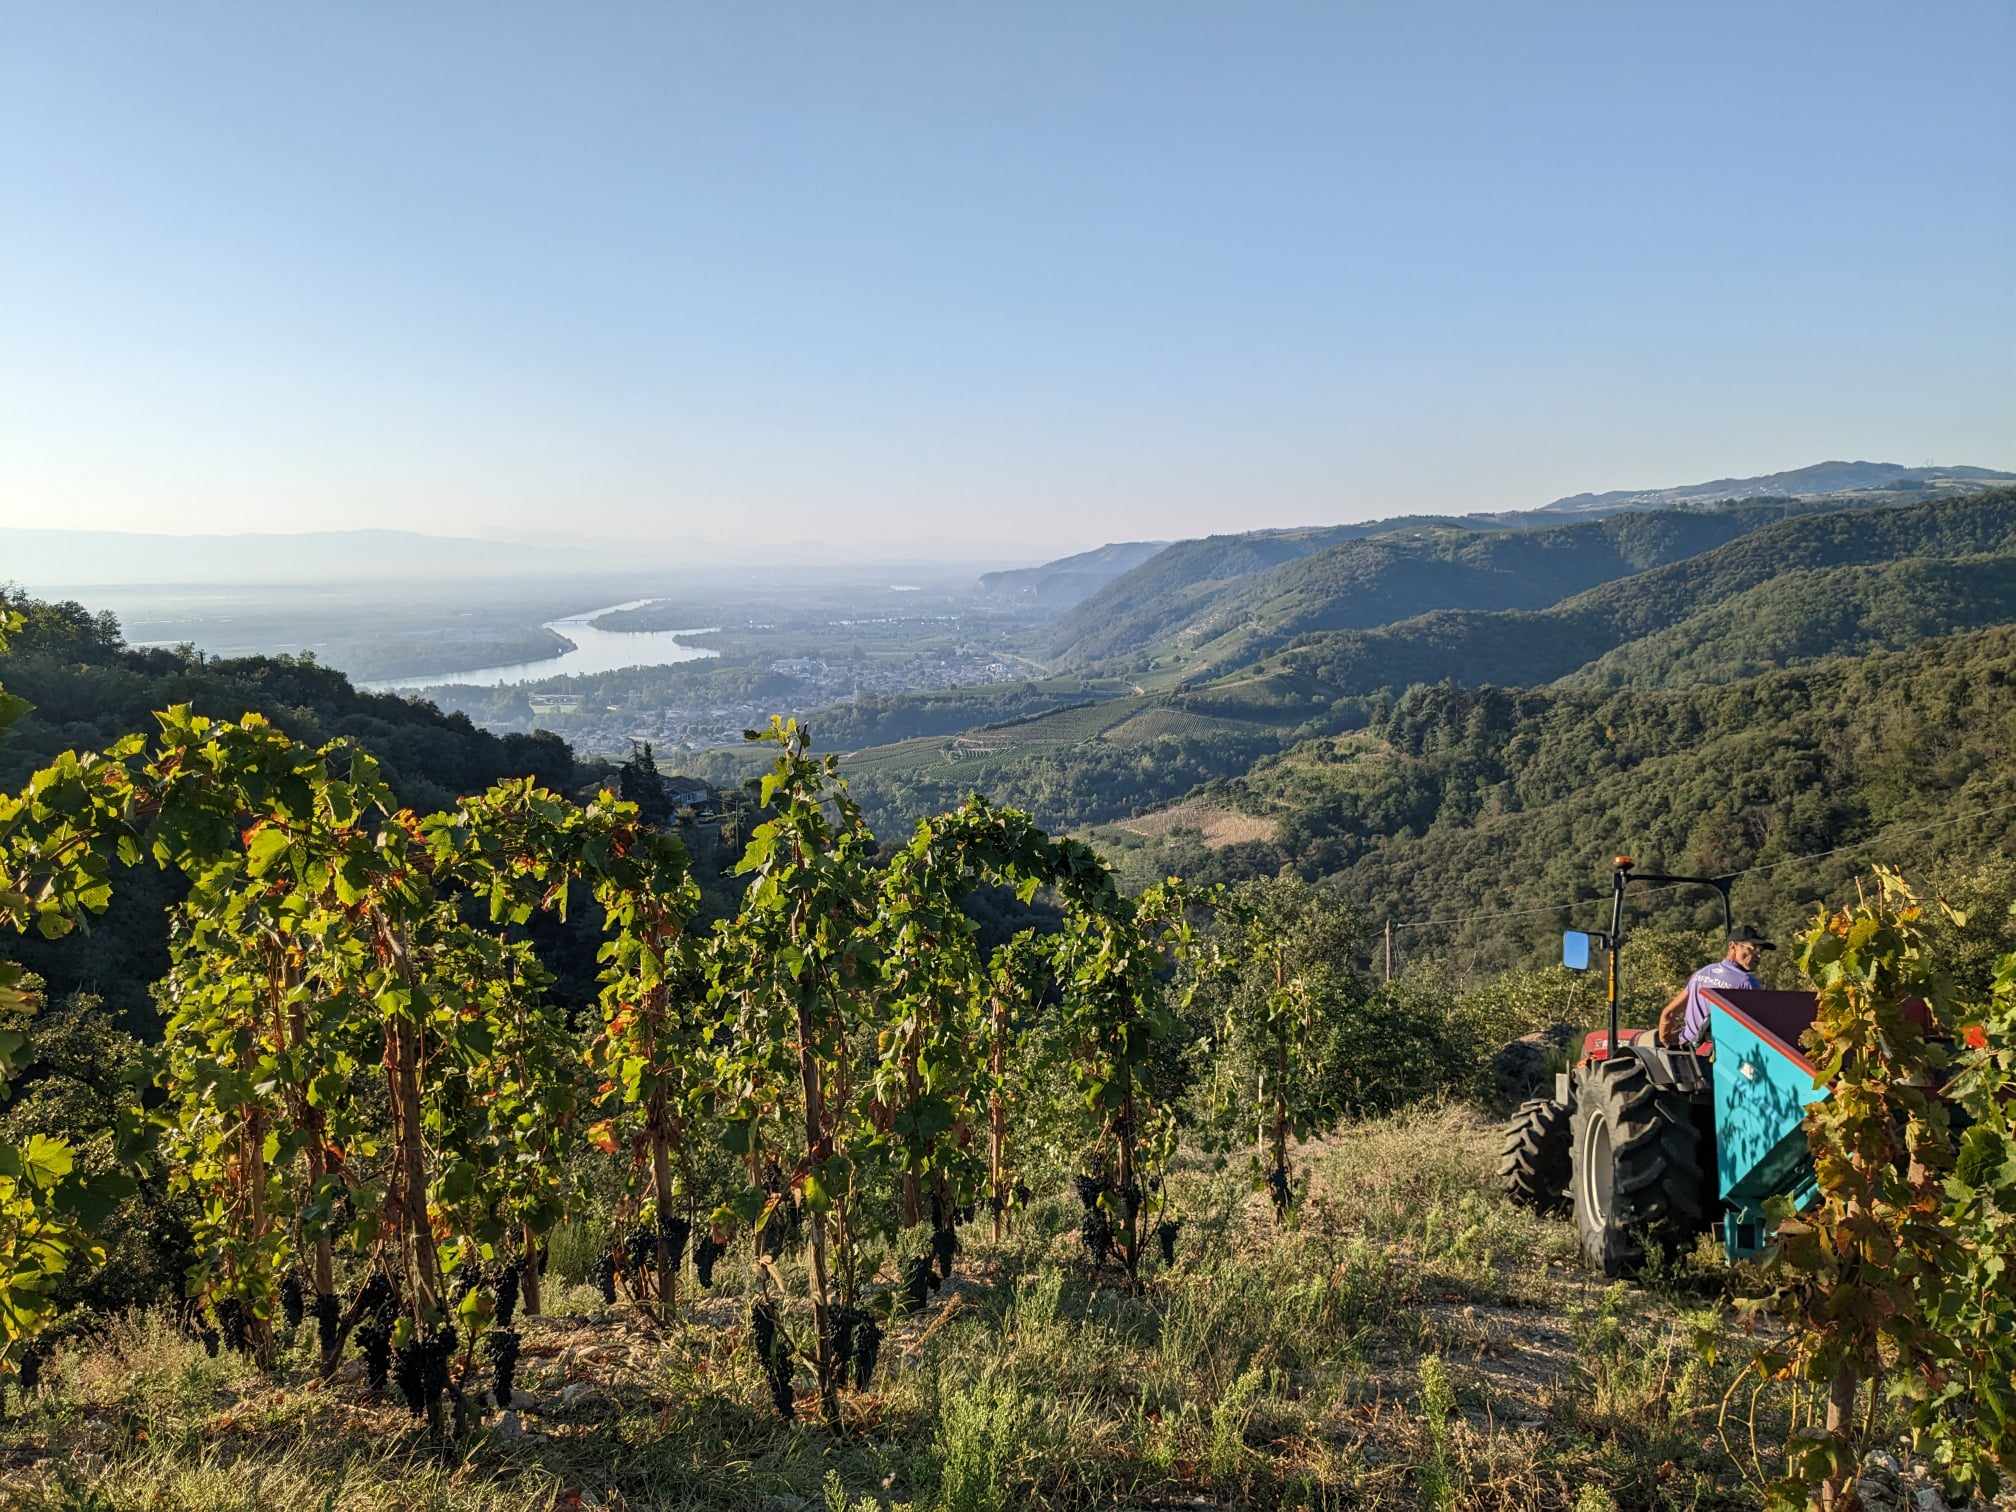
{"type": "Point", "coordinates": [1037, 279]}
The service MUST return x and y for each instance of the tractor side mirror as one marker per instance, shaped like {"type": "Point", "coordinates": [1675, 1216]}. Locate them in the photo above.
{"type": "Point", "coordinates": [1575, 950]}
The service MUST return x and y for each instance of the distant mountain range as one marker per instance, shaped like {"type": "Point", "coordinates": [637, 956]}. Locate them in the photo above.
{"type": "Point", "coordinates": [1822, 479]}
{"type": "Point", "coordinates": [1223, 599]}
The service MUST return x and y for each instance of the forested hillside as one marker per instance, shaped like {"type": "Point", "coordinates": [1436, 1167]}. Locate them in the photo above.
{"type": "Point", "coordinates": [1459, 803]}
{"type": "Point", "coordinates": [1360, 584]}
{"type": "Point", "coordinates": [1815, 612]}
{"type": "Point", "coordinates": [1267, 585]}
{"type": "Point", "coordinates": [1185, 579]}
{"type": "Point", "coordinates": [1801, 588]}
{"type": "Point", "coordinates": [1521, 647]}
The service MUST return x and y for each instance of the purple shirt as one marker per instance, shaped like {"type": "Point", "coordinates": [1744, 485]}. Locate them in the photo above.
{"type": "Point", "coordinates": [1721, 974]}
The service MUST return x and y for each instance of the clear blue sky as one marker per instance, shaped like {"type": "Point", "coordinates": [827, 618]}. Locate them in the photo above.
{"type": "Point", "coordinates": [1041, 275]}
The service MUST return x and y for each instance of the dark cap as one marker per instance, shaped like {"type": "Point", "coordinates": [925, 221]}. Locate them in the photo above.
{"type": "Point", "coordinates": [1744, 934]}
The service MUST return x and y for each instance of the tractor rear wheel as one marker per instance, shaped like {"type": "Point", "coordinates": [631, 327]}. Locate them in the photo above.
{"type": "Point", "coordinates": [1534, 1160]}
{"type": "Point", "coordinates": [1640, 1183]}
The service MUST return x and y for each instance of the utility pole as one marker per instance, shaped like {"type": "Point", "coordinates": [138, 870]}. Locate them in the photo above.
{"type": "Point", "coordinates": [1389, 950]}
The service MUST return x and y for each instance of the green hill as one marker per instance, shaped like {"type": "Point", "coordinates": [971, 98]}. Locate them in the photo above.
{"type": "Point", "coordinates": [1808, 613]}
{"type": "Point", "coordinates": [1525, 647]}
{"type": "Point", "coordinates": [1459, 803]}
{"type": "Point", "coordinates": [1362, 584]}
{"type": "Point", "coordinates": [1183, 581]}
{"type": "Point", "coordinates": [1229, 599]}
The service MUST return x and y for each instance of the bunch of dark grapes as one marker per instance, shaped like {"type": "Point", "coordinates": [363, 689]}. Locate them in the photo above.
{"type": "Point", "coordinates": [291, 1302]}
{"type": "Point", "coordinates": [421, 1368]}
{"type": "Point", "coordinates": [841, 1325]}
{"type": "Point", "coordinates": [919, 1281]}
{"type": "Point", "coordinates": [1165, 1235]}
{"type": "Point", "coordinates": [209, 1337]}
{"type": "Point", "coordinates": [774, 1350]}
{"type": "Point", "coordinates": [640, 1250]}
{"type": "Point", "coordinates": [503, 1348]}
{"type": "Point", "coordinates": [605, 1277]}
{"type": "Point", "coordinates": [508, 1281]}
{"type": "Point", "coordinates": [30, 1366]}
{"type": "Point", "coordinates": [235, 1323]}
{"type": "Point", "coordinates": [466, 1283]}
{"type": "Point", "coordinates": [967, 1211]}
{"type": "Point", "coordinates": [1089, 1189]}
{"type": "Point", "coordinates": [374, 1338]}
{"type": "Point", "coordinates": [375, 1294]}
{"type": "Point", "coordinates": [705, 1253]}
{"type": "Point", "coordinates": [945, 1245]}
{"type": "Point", "coordinates": [326, 1319]}
{"type": "Point", "coordinates": [1277, 1183]}
{"type": "Point", "coordinates": [378, 1304]}
{"type": "Point", "coordinates": [1095, 1232]}
{"type": "Point", "coordinates": [675, 1232]}
{"type": "Point", "coordinates": [867, 1348]}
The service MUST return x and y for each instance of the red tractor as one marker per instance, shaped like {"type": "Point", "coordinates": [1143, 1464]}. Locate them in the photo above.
{"type": "Point", "coordinates": [1627, 1144]}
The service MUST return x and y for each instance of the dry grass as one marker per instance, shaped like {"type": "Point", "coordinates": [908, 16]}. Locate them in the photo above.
{"type": "Point", "coordinates": [1219, 826]}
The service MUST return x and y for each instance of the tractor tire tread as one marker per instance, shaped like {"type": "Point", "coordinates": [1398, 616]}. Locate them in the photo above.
{"type": "Point", "coordinates": [1659, 1194]}
{"type": "Point", "coordinates": [1533, 1161]}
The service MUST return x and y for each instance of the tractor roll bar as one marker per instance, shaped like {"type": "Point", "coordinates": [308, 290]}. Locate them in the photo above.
{"type": "Point", "coordinates": [1620, 878]}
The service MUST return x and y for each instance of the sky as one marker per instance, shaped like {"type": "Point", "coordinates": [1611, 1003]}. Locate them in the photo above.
{"type": "Point", "coordinates": [1006, 278]}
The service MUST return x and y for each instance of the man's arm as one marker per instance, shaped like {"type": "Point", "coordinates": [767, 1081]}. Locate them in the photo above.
{"type": "Point", "coordinates": [1673, 1019]}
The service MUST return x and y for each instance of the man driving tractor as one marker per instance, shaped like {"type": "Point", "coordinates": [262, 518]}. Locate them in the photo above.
{"type": "Point", "coordinates": [1683, 1022]}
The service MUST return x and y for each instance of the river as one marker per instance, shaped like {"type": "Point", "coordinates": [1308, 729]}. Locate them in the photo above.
{"type": "Point", "coordinates": [594, 651]}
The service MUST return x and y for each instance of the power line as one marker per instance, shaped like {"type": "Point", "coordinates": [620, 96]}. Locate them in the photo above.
{"type": "Point", "coordinates": [1888, 833]}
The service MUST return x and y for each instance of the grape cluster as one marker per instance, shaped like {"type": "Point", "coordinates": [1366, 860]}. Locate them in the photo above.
{"type": "Point", "coordinates": [503, 1349]}
{"type": "Point", "coordinates": [944, 1237]}
{"type": "Point", "coordinates": [1277, 1184]}
{"type": "Point", "coordinates": [867, 1349]}
{"type": "Point", "coordinates": [785, 1225]}
{"type": "Point", "coordinates": [508, 1282]}
{"type": "Point", "coordinates": [675, 1232]}
{"type": "Point", "coordinates": [605, 1277]}
{"type": "Point", "coordinates": [1165, 1235]}
{"type": "Point", "coordinates": [705, 1253]}
{"type": "Point", "coordinates": [420, 1368]}
{"type": "Point", "coordinates": [292, 1302]}
{"type": "Point", "coordinates": [774, 1350]}
{"type": "Point", "coordinates": [30, 1366]}
{"type": "Point", "coordinates": [639, 1250]}
{"type": "Point", "coordinates": [842, 1324]}
{"type": "Point", "coordinates": [855, 1339]}
{"type": "Point", "coordinates": [235, 1323]}
{"type": "Point", "coordinates": [919, 1281]}
{"type": "Point", "coordinates": [945, 1245]}
{"type": "Point", "coordinates": [374, 1338]}
{"type": "Point", "coordinates": [1095, 1228]}
{"type": "Point", "coordinates": [326, 1321]}
{"type": "Point", "coordinates": [378, 1304]}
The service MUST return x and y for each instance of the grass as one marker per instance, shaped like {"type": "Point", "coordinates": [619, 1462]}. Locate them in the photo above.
{"type": "Point", "coordinates": [1411, 1340]}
